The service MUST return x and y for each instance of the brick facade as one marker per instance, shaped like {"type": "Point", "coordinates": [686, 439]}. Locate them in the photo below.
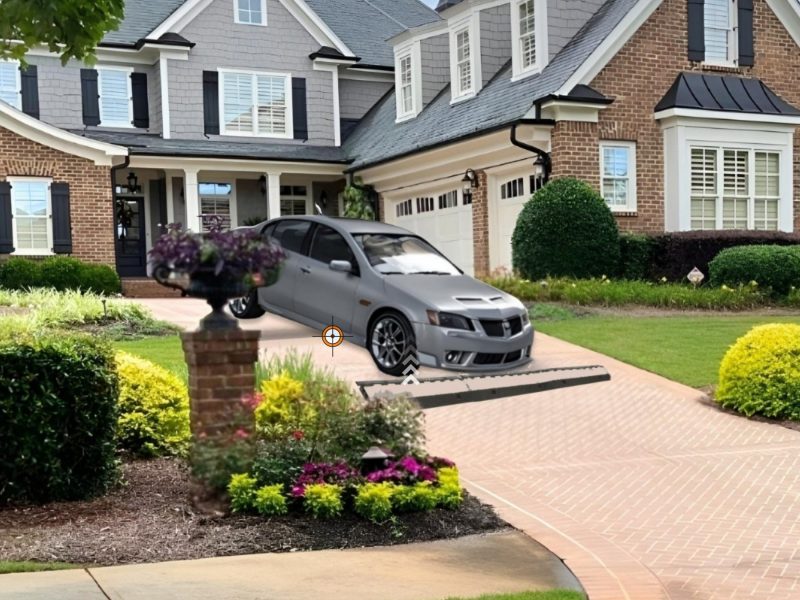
{"type": "Point", "coordinates": [480, 225]}
{"type": "Point", "coordinates": [639, 76]}
{"type": "Point", "coordinates": [91, 205]}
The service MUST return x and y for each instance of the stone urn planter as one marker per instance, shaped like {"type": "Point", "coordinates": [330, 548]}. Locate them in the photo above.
{"type": "Point", "coordinates": [216, 266]}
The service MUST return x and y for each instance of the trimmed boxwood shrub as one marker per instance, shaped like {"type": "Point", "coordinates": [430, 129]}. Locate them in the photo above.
{"type": "Point", "coordinates": [636, 255]}
{"type": "Point", "coordinates": [57, 418]}
{"type": "Point", "coordinates": [675, 254]}
{"type": "Point", "coordinates": [774, 267]}
{"type": "Point", "coordinates": [566, 230]}
{"type": "Point", "coordinates": [60, 273]}
{"type": "Point", "coordinates": [760, 374]}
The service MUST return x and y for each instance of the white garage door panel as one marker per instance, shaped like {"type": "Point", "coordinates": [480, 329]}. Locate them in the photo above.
{"type": "Point", "coordinates": [448, 229]}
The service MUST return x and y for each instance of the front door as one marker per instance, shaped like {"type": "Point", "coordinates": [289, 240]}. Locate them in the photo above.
{"type": "Point", "coordinates": [129, 232]}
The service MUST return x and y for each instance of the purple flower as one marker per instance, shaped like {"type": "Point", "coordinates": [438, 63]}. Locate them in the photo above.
{"type": "Point", "coordinates": [337, 473]}
{"type": "Point", "coordinates": [407, 470]}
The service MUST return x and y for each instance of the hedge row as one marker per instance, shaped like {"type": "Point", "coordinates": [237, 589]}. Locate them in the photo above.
{"type": "Point", "coordinates": [58, 413]}
{"type": "Point", "coordinates": [673, 255]}
{"type": "Point", "coordinates": [61, 273]}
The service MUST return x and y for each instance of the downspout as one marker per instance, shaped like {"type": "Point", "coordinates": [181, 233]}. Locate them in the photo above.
{"type": "Point", "coordinates": [124, 165]}
{"type": "Point", "coordinates": [547, 162]}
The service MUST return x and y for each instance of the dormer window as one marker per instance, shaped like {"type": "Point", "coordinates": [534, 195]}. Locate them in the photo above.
{"type": "Point", "coordinates": [529, 34]}
{"type": "Point", "coordinates": [250, 12]}
{"type": "Point", "coordinates": [465, 62]}
{"type": "Point", "coordinates": [408, 82]}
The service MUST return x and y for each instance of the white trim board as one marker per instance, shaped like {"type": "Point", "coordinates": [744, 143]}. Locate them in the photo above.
{"type": "Point", "coordinates": [720, 115]}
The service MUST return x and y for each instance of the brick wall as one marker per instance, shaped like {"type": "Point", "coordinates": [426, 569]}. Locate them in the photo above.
{"type": "Point", "coordinates": [91, 207]}
{"type": "Point", "coordinates": [480, 225]}
{"type": "Point", "coordinates": [639, 76]}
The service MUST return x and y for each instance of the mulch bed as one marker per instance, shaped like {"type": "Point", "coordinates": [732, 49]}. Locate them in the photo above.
{"type": "Point", "coordinates": [154, 517]}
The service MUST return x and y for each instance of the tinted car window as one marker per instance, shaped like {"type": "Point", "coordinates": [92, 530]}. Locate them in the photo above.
{"type": "Point", "coordinates": [268, 231]}
{"type": "Point", "coordinates": [291, 234]}
{"type": "Point", "coordinates": [329, 245]}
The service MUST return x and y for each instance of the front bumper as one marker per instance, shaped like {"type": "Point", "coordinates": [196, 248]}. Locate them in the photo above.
{"type": "Point", "coordinates": [472, 350]}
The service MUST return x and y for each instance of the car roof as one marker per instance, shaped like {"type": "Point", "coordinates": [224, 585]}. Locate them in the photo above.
{"type": "Point", "coordinates": [351, 226]}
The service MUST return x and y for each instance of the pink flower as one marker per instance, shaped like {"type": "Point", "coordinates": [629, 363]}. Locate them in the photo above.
{"type": "Point", "coordinates": [252, 400]}
{"type": "Point", "coordinates": [298, 435]}
{"type": "Point", "coordinates": [241, 434]}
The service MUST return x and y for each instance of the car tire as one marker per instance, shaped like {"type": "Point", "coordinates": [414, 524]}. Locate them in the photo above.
{"type": "Point", "coordinates": [247, 307]}
{"type": "Point", "coordinates": [392, 345]}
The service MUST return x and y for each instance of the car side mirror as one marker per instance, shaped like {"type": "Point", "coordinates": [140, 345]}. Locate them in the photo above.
{"type": "Point", "coordinates": [342, 266]}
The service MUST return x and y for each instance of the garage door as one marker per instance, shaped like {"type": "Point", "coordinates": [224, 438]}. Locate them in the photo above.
{"type": "Point", "coordinates": [510, 197]}
{"type": "Point", "coordinates": [445, 220]}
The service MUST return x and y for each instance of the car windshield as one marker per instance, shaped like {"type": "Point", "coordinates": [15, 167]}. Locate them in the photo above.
{"type": "Point", "coordinates": [404, 255]}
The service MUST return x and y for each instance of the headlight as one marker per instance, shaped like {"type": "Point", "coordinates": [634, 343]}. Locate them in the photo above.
{"type": "Point", "coordinates": [449, 320]}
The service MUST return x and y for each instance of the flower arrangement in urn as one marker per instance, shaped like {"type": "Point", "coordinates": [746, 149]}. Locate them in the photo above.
{"type": "Point", "coordinates": [216, 265]}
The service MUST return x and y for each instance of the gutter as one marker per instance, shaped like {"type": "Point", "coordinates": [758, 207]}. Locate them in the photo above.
{"type": "Point", "coordinates": [547, 162]}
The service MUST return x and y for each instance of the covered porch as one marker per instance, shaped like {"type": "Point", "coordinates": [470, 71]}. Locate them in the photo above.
{"type": "Point", "coordinates": [151, 193]}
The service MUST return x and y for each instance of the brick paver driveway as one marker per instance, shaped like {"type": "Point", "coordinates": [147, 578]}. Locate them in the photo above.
{"type": "Point", "coordinates": [643, 489]}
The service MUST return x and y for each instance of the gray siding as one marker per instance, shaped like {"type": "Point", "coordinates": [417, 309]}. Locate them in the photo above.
{"type": "Point", "coordinates": [282, 46]}
{"type": "Point", "coordinates": [357, 97]}
{"type": "Point", "coordinates": [435, 66]}
{"type": "Point", "coordinates": [251, 203]}
{"type": "Point", "coordinates": [60, 92]}
{"type": "Point", "coordinates": [566, 17]}
{"type": "Point", "coordinates": [332, 189]}
{"type": "Point", "coordinates": [495, 40]}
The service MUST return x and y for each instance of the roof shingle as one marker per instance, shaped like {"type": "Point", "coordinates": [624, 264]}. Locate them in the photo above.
{"type": "Point", "coordinates": [141, 17]}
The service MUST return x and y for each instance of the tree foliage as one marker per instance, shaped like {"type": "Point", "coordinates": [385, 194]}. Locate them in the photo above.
{"type": "Point", "coordinates": [358, 201]}
{"type": "Point", "coordinates": [70, 28]}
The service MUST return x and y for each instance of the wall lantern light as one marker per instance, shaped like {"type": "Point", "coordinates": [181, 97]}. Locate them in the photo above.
{"type": "Point", "coordinates": [133, 183]}
{"type": "Point", "coordinates": [470, 181]}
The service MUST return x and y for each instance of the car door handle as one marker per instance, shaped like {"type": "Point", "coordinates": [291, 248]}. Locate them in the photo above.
{"type": "Point", "coordinates": [306, 270]}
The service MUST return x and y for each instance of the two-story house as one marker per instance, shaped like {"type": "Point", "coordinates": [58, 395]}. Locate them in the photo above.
{"type": "Point", "coordinates": [680, 112]}
{"type": "Point", "coordinates": [233, 108]}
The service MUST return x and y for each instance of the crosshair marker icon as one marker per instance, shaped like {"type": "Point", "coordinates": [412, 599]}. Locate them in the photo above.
{"type": "Point", "coordinates": [333, 336]}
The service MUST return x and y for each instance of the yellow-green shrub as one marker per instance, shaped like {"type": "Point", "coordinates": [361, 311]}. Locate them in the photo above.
{"type": "Point", "coordinates": [323, 500]}
{"type": "Point", "coordinates": [242, 492]}
{"type": "Point", "coordinates": [420, 497]}
{"type": "Point", "coordinates": [374, 501]}
{"type": "Point", "coordinates": [760, 374]}
{"type": "Point", "coordinates": [449, 493]}
{"type": "Point", "coordinates": [153, 409]}
{"type": "Point", "coordinates": [270, 501]}
{"type": "Point", "coordinates": [282, 402]}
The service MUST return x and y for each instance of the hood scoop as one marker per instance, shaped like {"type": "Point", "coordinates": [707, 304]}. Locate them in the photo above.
{"type": "Point", "coordinates": [469, 299]}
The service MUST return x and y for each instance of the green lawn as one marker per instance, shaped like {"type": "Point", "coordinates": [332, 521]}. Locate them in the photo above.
{"type": "Point", "coordinates": [164, 351]}
{"type": "Point", "coordinates": [547, 595]}
{"type": "Point", "coordinates": [31, 567]}
{"type": "Point", "coordinates": [685, 349]}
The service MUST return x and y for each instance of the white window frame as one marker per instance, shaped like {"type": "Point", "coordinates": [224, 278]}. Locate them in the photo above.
{"type": "Point", "coordinates": [36, 252]}
{"type": "Point", "coordinates": [234, 212]}
{"type": "Point", "coordinates": [287, 135]}
{"type": "Point", "coordinates": [630, 206]}
{"type": "Point", "coordinates": [541, 42]}
{"type": "Point", "coordinates": [263, 22]}
{"type": "Point", "coordinates": [18, 74]}
{"type": "Point", "coordinates": [414, 53]}
{"type": "Point", "coordinates": [733, 39]}
{"type": "Point", "coordinates": [128, 71]}
{"type": "Point", "coordinates": [471, 26]}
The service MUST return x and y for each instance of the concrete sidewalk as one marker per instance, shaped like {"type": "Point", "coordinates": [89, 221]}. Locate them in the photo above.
{"type": "Point", "coordinates": [468, 567]}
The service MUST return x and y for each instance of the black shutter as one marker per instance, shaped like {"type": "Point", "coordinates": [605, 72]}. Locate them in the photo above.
{"type": "Point", "coordinates": [30, 90]}
{"type": "Point", "coordinates": [6, 230]}
{"type": "Point", "coordinates": [158, 200]}
{"type": "Point", "coordinates": [299, 109]}
{"type": "Point", "coordinates": [91, 97]}
{"type": "Point", "coordinates": [141, 105]}
{"type": "Point", "coordinates": [697, 36]}
{"type": "Point", "coordinates": [211, 102]}
{"type": "Point", "coordinates": [62, 228]}
{"type": "Point", "coordinates": [746, 52]}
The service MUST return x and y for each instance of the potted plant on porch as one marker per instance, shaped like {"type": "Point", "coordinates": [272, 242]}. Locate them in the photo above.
{"type": "Point", "coordinates": [217, 265]}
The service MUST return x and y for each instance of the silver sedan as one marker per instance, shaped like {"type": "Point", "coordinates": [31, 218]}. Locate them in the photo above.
{"type": "Point", "coordinates": [393, 293]}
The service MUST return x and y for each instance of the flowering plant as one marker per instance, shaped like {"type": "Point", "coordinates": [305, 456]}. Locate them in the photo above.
{"type": "Point", "coordinates": [314, 473]}
{"type": "Point", "coordinates": [242, 255]}
{"type": "Point", "coordinates": [405, 471]}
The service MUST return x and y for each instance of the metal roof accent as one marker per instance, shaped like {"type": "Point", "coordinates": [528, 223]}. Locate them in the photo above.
{"type": "Point", "coordinates": [729, 93]}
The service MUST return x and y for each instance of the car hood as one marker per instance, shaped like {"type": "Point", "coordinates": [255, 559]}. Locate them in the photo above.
{"type": "Point", "coordinates": [460, 294]}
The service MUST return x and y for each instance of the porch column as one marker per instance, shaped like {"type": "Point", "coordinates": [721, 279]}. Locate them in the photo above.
{"type": "Point", "coordinates": [192, 200]}
{"type": "Point", "coordinates": [170, 200]}
{"type": "Point", "coordinates": [273, 195]}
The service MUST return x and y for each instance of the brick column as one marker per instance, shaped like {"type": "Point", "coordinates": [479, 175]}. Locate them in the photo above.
{"type": "Point", "coordinates": [221, 371]}
{"type": "Point", "coordinates": [480, 225]}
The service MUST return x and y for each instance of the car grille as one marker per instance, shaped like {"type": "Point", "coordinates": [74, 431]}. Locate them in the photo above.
{"type": "Point", "coordinates": [486, 358]}
{"type": "Point", "coordinates": [494, 328]}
